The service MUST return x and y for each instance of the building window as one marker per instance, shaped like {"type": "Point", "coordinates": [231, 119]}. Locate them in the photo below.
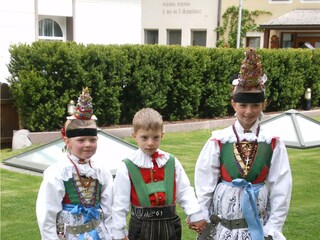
{"type": "Point", "coordinates": [305, 38]}
{"type": "Point", "coordinates": [280, 1]}
{"type": "Point", "coordinates": [151, 36]}
{"type": "Point", "coordinates": [198, 38]}
{"type": "Point", "coordinates": [299, 39]}
{"type": "Point", "coordinates": [174, 37]}
{"type": "Point", "coordinates": [50, 30]}
{"type": "Point", "coordinates": [310, 1]}
{"type": "Point", "coordinates": [287, 40]}
{"type": "Point", "coordinates": [253, 42]}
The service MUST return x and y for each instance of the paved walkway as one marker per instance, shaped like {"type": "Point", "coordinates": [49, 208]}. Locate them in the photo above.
{"type": "Point", "coordinates": [45, 137]}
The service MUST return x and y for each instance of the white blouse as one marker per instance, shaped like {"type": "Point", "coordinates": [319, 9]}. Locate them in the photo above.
{"type": "Point", "coordinates": [52, 191]}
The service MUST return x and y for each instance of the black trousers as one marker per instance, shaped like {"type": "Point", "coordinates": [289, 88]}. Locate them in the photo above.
{"type": "Point", "coordinates": [168, 229]}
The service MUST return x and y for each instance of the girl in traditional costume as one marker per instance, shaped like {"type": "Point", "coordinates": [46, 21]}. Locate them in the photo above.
{"type": "Point", "coordinates": [242, 177]}
{"type": "Point", "coordinates": [75, 196]}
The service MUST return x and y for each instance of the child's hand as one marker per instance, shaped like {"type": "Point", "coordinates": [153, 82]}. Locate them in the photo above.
{"type": "Point", "coordinates": [198, 226]}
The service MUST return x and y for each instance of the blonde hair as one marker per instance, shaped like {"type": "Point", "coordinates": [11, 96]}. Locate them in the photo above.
{"type": "Point", "coordinates": [147, 118]}
{"type": "Point", "coordinates": [79, 123]}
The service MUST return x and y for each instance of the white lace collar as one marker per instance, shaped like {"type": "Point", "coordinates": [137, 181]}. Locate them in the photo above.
{"type": "Point", "coordinates": [227, 134]}
{"type": "Point", "coordinates": [143, 160]}
{"type": "Point", "coordinates": [66, 169]}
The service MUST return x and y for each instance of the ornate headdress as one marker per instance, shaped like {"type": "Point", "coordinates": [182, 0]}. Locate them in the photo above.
{"type": "Point", "coordinates": [249, 86]}
{"type": "Point", "coordinates": [84, 109]}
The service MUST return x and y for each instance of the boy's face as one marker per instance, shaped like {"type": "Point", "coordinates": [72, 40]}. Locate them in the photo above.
{"type": "Point", "coordinates": [148, 140]}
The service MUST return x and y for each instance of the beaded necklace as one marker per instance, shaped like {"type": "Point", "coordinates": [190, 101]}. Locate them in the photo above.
{"type": "Point", "coordinates": [87, 196]}
{"type": "Point", "coordinates": [245, 152]}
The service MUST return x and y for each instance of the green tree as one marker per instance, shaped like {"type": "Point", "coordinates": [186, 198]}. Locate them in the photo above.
{"type": "Point", "coordinates": [229, 29]}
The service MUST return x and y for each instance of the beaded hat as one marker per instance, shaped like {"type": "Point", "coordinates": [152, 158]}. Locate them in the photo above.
{"type": "Point", "coordinates": [84, 109]}
{"type": "Point", "coordinates": [249, 86]}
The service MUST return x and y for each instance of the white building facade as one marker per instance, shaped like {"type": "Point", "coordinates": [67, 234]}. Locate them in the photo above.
{"type": "Point", "coordinates": [83, 21]}
{"type": "Point", "coordinates": [176, 22]}
{"type": "Point", "coordinates": [163, 22]}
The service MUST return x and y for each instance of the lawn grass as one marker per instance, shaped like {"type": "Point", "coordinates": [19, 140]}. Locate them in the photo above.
{"type": "Point", "coordinates": [19, 191]}
{"type": "Point", "coordinates": [18, 213]}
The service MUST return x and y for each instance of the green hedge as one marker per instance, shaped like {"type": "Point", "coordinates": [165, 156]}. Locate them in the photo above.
{"type": "Point", "coordinates": [180, 82]}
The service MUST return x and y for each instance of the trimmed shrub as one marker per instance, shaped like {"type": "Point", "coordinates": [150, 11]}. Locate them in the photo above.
{"type": "Point", "coordinates": [180, 82]}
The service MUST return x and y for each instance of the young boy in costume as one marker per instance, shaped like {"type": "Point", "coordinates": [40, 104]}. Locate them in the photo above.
{"type": "Point", "coordinates": [151, 182]}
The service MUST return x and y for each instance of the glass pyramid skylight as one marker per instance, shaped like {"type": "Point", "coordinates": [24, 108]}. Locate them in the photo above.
{"type": "Point", "coordinates": [111, 150]}
{"type": "Point", "coordinates": [295, 129]}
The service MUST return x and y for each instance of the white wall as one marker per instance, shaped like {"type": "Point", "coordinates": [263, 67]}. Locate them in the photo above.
{"type": "Point", "coordinates": [55, 7]}
{"type": "Point", "coordinates": [112, 22]}
{"type": "Point", "coordinates": [17, 25]}
{"type": "Point", "coordinates": [95, 21]}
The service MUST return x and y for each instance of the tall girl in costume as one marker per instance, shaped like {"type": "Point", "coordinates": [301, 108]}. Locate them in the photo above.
{"type": "Point", "coordinates": [242, 177]}
{"type": "Point", "coordinates": [75, 196]}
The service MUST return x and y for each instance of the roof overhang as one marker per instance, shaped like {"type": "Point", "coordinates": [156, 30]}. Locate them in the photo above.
{"type": "Point", "coordinates": [299, 19]}
{"type": "Point", "coordinates": [290, 27]}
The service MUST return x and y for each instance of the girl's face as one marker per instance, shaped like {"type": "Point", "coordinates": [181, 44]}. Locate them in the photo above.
{"type": "Point", "coordinates": [148, 140]}
{"type": "Point", "coordinates": [247, 113]}
{"type": "Point", "coordinates": [83, 147]}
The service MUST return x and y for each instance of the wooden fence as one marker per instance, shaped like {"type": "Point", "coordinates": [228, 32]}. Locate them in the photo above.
{"type": "Point", "coordinates": [9, 117]}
